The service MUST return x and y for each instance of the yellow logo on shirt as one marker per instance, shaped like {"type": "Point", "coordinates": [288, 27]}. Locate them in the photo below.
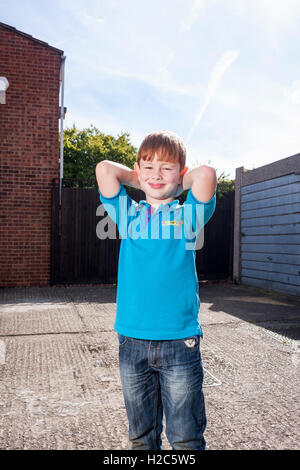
{"type": "Point", "coordinates": [172, 222]}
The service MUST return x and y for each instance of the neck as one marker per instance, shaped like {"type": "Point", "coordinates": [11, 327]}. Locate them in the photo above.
{"type": "Point", "coordinates": [155, 203]}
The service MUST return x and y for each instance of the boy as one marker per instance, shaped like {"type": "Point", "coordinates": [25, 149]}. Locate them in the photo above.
{"type": "Point", "coordinates": [157, 296]}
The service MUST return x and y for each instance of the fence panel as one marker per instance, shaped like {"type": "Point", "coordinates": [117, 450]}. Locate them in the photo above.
{"type": "Point", "coordinates": [80, 257]}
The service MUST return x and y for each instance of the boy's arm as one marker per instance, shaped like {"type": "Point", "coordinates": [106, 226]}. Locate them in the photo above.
{"type": "Point", "coordinates": [111, 174]}
{"type": "Point", "coordinates": [203, 181]}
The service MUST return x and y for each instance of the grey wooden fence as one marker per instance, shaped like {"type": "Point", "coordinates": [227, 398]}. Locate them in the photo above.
{"type": "Point", "coordinates": [267, 226]}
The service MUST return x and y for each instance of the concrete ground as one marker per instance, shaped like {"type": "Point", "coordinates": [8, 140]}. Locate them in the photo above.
{"type": "Point", "coordinates": [59, 377]}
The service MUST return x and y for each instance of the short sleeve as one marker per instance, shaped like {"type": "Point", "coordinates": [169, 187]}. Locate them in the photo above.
{"type": "Point", "coordinates": [117, 207]}
{"type": "Point", "coordinates": [197, 213]}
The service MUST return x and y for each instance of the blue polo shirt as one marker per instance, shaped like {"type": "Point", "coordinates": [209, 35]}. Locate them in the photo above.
{"type": "Point", "coordinates": [157, 289]}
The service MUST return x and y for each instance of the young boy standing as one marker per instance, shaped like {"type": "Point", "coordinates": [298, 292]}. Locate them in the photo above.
{"type": "Point", "coordinates": [157, 295]}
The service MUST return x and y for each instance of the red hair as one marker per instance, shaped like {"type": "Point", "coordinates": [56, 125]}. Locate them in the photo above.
{"type": "Point", "coordinates": [168, 146]}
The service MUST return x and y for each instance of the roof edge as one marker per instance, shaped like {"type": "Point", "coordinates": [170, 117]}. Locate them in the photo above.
{"type": "Point", "coordinates": [28, 36]}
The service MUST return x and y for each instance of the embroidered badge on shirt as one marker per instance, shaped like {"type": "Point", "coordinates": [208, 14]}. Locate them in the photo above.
{"type": "Point", "coordinates": [172, 222]}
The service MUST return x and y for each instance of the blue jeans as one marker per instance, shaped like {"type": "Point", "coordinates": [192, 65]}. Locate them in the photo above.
{"type": "Point", "coordinates": [163, 376]}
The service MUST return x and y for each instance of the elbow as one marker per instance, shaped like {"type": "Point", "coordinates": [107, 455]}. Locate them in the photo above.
{"type": "Point", "coordinates": [102, 164]}
{"type": "Point", "coordinates": [209, 175]}
{"type": "Point", "coordinates": [208, 169]}
{"type": "Point", "coordinates": [101, 167]}
{"type": "Point", "coordinates": [210, 172]}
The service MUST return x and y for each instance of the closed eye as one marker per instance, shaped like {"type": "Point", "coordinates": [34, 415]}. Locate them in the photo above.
{"type": "Point", "coordinates": [149, 168]}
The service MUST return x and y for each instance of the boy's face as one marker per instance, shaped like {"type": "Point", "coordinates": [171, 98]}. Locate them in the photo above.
{"type": "Point", "coordinates": [158, 179]}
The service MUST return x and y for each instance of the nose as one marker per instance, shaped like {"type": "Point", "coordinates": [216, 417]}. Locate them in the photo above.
{"type": "Point", "coordinates": [156, 173]}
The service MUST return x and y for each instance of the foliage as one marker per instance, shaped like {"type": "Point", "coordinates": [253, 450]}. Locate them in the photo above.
{"type": "Point", "coordinates": [83, 149]}
{"type": "Point", "coordinates": [225, 185]}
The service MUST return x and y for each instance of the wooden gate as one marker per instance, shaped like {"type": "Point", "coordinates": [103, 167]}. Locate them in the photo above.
{"type": "Point", "coordinates": [78, 256]}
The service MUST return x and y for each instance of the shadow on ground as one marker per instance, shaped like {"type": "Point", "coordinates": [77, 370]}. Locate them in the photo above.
{"type": "Point", "coordinates": [279, 313]}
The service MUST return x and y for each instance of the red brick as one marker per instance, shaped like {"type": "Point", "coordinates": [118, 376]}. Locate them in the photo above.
{"type": "Point", "coordinates": [29, 157]}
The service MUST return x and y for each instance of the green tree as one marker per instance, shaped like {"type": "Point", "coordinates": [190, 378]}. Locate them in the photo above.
{"type": "Point", "coordinates": [83, 149]}
{"type": "Point", "coordinates": [225, 185]}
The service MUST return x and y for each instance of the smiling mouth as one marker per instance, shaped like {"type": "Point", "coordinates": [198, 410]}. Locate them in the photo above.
{"type": "Point", "coordinates": [156, 186]}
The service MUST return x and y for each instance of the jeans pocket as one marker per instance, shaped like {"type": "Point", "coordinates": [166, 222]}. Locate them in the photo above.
{"type": "Point", "coordinates": [192, 342]}
{"type": "Point", "coordinates": [122, 339]}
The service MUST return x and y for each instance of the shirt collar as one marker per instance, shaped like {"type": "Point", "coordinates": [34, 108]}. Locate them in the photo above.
{"type": "Point", "coordinates": [169, 204]}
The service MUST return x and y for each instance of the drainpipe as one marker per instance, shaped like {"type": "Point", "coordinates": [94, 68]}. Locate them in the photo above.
{"type": "Point", "coordinates": [63, 59]}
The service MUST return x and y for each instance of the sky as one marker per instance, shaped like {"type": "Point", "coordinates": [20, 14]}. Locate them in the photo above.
{"type": "Point", "coordinates": [222, 74]}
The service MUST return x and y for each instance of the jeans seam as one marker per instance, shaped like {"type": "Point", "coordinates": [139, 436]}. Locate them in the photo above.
{"type": "Point", "coordinates": [156, 410]}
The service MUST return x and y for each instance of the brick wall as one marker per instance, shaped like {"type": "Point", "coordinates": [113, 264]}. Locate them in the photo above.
{"type": "Point", "coordinates": [29, 158]}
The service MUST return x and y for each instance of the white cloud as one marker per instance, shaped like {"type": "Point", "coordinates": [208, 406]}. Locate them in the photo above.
{"type": "Point", "coordinates": [219, 69]}
{"type": "Point", "coordinates": [292, 93]}
{"type": "Point", "coordinates": [164, 69]}
{"type": "Point", "coordinates": [158, 79]}
{"type": "Point", "coordinates": [271, 20]}
{"type": "Point", "coordinates": [192, 15]}
{"type": "Point", "coordinates": [92, 18]}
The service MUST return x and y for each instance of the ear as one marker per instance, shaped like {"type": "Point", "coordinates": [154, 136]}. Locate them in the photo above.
{"type": "Point", "coordinates": [137, 168]}
{"type": "Point", "coordinates": [183, 172]}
